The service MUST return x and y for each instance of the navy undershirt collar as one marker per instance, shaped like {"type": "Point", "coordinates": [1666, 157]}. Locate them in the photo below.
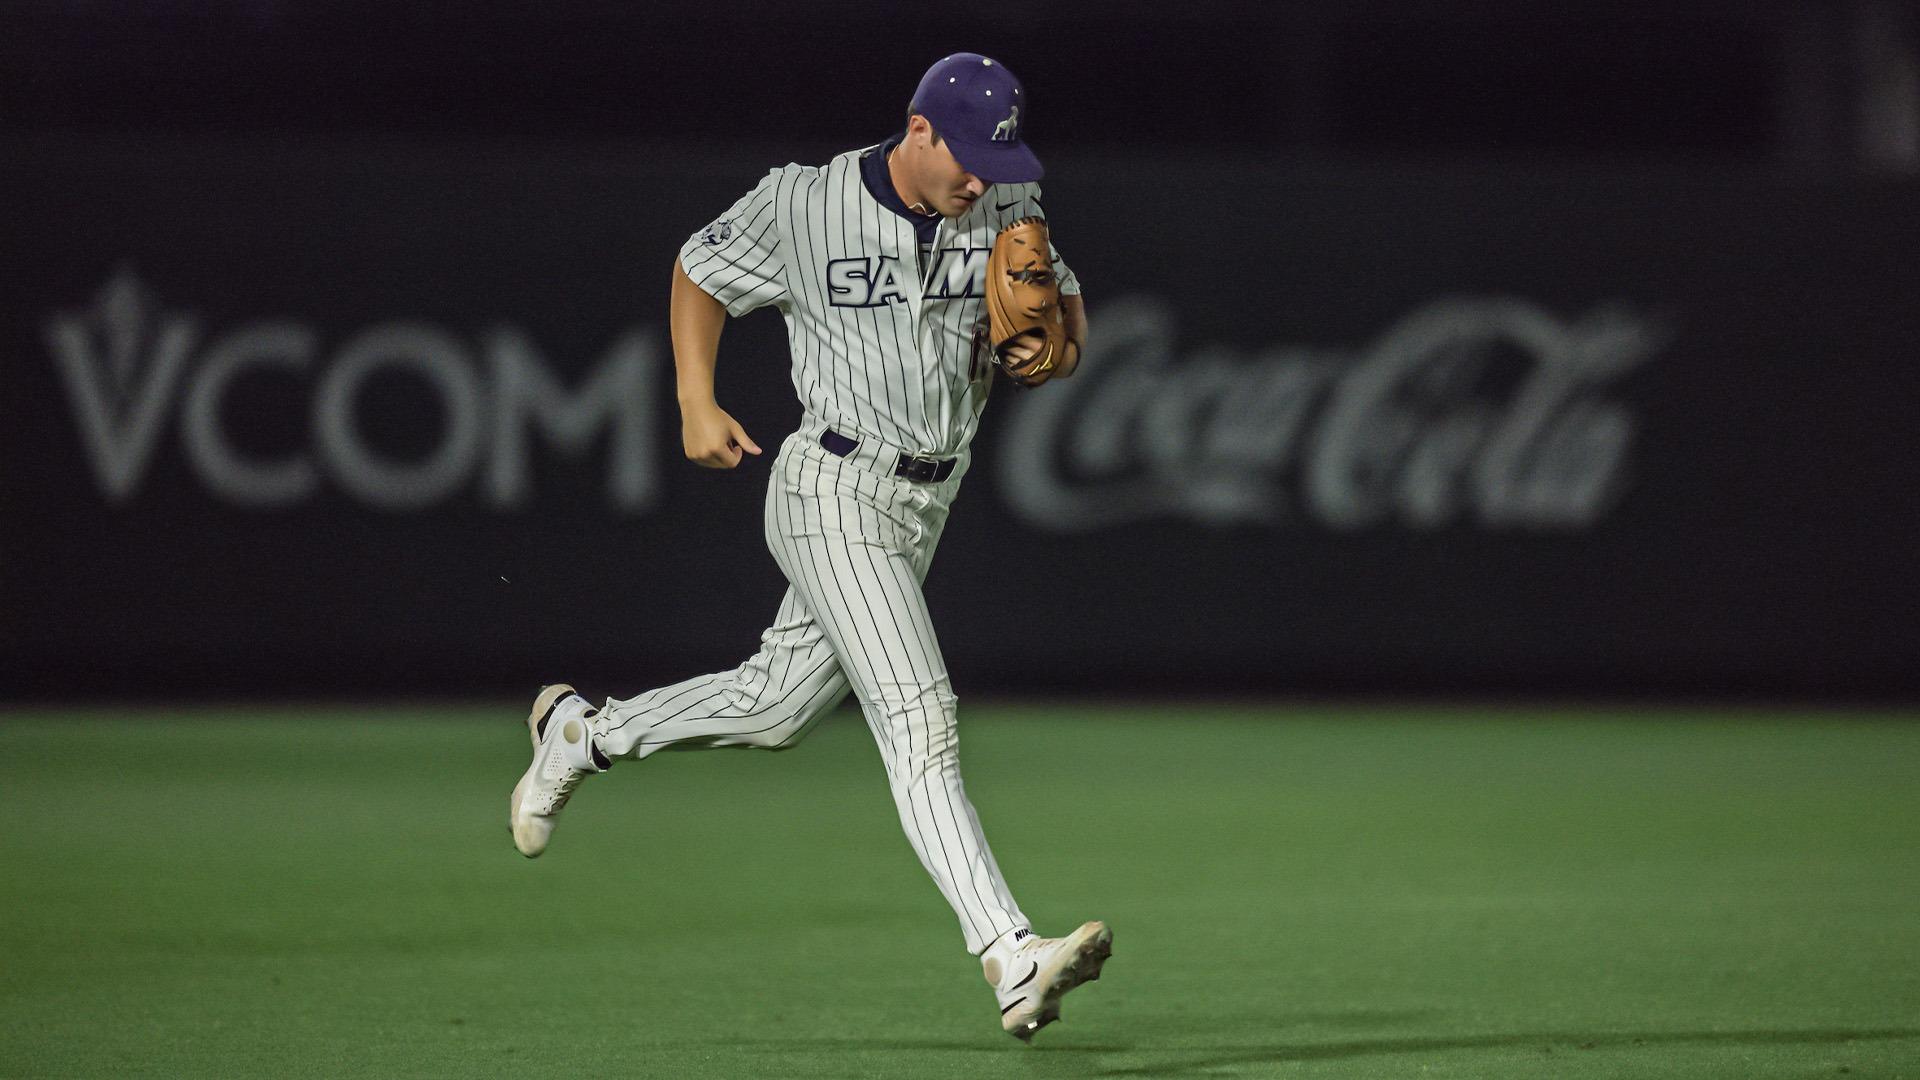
{"type": "Point", "coordinates": [873, 173]}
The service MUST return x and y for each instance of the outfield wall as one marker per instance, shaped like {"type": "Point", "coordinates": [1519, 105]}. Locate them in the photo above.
{"type": "Point", "coordinates": [331, 418]}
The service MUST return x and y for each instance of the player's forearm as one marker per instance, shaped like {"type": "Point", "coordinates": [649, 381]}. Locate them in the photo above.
{"type": "Point", "coordinates": [694, 320]}
{"type": "Point", "coordinates": [1073, 315]}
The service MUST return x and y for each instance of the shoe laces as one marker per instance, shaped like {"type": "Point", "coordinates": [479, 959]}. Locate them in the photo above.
{"type": "Point", "coordinates": [561, 790]}
{"type": "Point", "coordinates": [564, 789]}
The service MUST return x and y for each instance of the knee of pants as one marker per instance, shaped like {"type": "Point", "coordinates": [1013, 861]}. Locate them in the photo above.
{"type": "Point", "coordinates": [783, 729]}
{"type": "Point", "coordinates": [920, 724]}
{"type": "Point", "coordinates": [784, 735]}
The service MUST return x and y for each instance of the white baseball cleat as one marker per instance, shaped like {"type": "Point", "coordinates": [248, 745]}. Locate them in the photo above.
{"type": "Point", "coordinates": [563, 755]}
{"type": "Point", "coordinates": [1030, 975]}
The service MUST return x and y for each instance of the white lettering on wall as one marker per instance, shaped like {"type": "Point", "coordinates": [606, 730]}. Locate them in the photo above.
{"type": "Point", "coordinates": [1482, 411]}
{"type": "Point", "coordinates": [127, 365]}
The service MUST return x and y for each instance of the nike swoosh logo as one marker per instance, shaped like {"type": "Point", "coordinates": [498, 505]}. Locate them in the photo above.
{"type": "Point", "coordinates": [1004, 207]}
{"type": "Point", "coordinates": [1030, 974]}
{"type": "Point", "coordinates": [1009, 1008]}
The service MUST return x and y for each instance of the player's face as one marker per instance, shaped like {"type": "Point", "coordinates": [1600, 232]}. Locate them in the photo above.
{"type": "Point", "coordinates": [950, 189]}
{"type": "Point", "coordinates": [940, 184]}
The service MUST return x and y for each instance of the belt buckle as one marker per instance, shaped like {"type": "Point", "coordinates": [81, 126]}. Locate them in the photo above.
{"type": "Point", "coordinates": [917, 469]}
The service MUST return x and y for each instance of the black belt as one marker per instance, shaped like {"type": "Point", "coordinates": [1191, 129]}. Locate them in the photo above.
{"type": "Point", "coordinates": [920, 470]}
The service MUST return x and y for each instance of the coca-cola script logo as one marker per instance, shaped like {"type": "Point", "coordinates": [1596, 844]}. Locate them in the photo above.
{"type": "Point", "coordinates": [1481, 411]}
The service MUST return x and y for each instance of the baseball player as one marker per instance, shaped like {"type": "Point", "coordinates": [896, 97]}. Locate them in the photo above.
{"type": "Point", "coordinates": [879, 262]}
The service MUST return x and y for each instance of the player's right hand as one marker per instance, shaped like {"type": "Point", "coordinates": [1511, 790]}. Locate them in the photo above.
{"type": "Point", "coordinates": [712, 438]}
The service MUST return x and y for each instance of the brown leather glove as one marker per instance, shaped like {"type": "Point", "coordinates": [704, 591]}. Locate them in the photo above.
{"type": "Point", "coordinates": [1023, 302]}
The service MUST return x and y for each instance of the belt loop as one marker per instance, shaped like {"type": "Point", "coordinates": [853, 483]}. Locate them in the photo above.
{"type": "Point", "coordinates": [920, 470]}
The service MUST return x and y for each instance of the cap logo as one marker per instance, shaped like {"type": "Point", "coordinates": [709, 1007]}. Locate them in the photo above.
{"type": "Point", "coordinates": [1008, 130]}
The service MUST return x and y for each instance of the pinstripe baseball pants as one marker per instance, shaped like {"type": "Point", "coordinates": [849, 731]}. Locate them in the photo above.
{"type": "Point", "coordinates": [855, 543]}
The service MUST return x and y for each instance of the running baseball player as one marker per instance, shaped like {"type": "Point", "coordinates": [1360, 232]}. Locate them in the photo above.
{"type": "Point", "coordinates": [881, 263]}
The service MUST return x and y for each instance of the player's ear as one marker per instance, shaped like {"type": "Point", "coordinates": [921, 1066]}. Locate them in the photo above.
{"type": "Point", "coordinates": [920, 131]}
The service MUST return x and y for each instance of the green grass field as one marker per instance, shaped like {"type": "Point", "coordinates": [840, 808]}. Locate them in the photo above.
{"type": "Point", "coordinates": [1303, 891]}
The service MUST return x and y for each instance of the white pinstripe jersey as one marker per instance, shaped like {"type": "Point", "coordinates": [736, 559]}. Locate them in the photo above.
{"type": "Point", "coordinates": [881, 349]}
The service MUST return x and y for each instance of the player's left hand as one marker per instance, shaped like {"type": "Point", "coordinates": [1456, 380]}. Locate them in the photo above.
{"type": "Point", "coordinates": [1016, 356]}
{"type": "Point", "coordinates": [1021, 350]}
{"type": "Point", "coordinates": [1024, 319]}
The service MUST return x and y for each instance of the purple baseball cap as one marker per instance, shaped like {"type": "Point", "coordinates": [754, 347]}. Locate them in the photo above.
{"type": "Point", "coordinates": [978, 107]}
